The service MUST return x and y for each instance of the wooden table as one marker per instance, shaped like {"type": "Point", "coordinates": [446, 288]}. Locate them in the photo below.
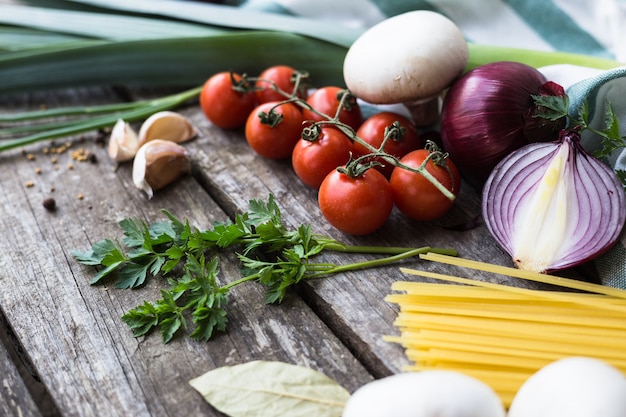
{"type": "Point", "coordinates": [65, 351]}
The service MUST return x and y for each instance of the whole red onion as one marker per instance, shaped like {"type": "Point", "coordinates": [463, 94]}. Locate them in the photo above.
{"type": "Point", "coordinates": [490, 112]}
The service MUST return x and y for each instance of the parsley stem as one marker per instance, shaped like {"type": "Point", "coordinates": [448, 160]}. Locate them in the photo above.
{"type": "Point", "coordinates": [380, 262]}
{"type": "Point", "coordinates": [236, 282]}
{"type": "Point", "coordinates": [390, 250]}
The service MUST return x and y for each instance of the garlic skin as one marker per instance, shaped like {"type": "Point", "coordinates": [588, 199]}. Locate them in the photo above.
{"type": "Point", "coordinates": [123, 143]}
{"type": "Point", "coordinates": [166, 125]}
{"type": "Point", "coordinates": [159, 163]}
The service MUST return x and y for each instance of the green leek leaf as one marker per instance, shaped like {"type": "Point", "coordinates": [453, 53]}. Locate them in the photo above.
{"type": "Point", "coordinates": [174, 62]}
{"type": "Point", "coordinates": [15, 39]}
{"type": "Point", "coordinates": [100, 25]}
{"type": "Point", "coordinates": [234, 17]}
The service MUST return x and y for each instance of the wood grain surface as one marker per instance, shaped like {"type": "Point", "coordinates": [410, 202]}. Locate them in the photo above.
{"type": "Point", "coordinates": [70, 333]}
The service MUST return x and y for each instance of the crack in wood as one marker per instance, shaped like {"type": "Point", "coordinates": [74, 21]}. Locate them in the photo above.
{"type": "Point", "coordinates": [29, 375]}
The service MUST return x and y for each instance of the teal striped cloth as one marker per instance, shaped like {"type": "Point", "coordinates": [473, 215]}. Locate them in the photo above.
{"type": "Point", "coordinates": [595, 28]}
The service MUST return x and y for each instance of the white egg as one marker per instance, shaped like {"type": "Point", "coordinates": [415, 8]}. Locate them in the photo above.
{"type": "Point", "coordinates": [425, 394]}
{"type": "Point", "coordinates": [572, 387]}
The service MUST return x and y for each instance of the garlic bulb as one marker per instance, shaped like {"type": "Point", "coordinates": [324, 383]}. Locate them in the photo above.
{"type": "Point", "coordinates": [158, 163]}
{"type": "Point", "coordinates": [166, 125]}
{"type": "Point", "coordinates": [123, 143]}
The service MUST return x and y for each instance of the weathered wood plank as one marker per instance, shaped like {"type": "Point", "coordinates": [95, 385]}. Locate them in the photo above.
{"type": "Point", "coordinates": [85, 355]}
{"type": "Point", "coordinates": [15, 398]}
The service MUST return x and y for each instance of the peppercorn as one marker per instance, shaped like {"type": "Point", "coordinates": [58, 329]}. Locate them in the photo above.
{"type": "Point", "coordinates": [49, 204]}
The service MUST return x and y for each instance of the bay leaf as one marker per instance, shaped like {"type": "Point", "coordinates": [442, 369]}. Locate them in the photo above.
{"type": "Point", "coordinates": [271, 389]}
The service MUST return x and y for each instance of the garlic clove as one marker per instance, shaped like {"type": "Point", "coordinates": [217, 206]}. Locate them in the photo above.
{"type": "Point", "coordinates": [166, 125]}
{"type": "Point", "coordinates": [159, 163]}
{"type": "Point", "coordinates": [123, 143]}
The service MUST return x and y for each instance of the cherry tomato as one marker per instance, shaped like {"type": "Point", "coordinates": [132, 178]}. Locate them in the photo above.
{"type": "Point", "coordinates": [415, 196]}
{"type": "Point", "coordinates": [283, 77]}
{"type": "Point", "coordinates": [313, 159]}
{"type": "Point", "coordinates": [404, 137]}
{"type": "Point", "coordinates": [273, 129]}
{"type": "Point", "coordinates": [326, 101]}
{"type": "Point", "coordinates": [356, 205]}
{"type": "Point", "coordinates": [222, 104]}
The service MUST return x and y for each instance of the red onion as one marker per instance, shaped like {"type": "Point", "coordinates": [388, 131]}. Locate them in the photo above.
{"type": "Point", "coordinates": [489, 112]}
{"type": "Point", "coordinates": [552, 205]}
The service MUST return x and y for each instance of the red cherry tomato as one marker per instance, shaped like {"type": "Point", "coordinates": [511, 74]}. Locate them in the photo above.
{"type": "Point", "coordinates": [312, 160]}
{"type": "Point", "coordinates": [356, 205]}
{"type": "Point", "coordinates": [326, 101]}
{"type": "Point", "coordinates": [415, 196]}
{"type": "Point", "coordinates": [404, 137]}
{"type": "Point", "coordinates": [271, 137]}
{"type": "Point", "coordinates": [222, 104]}
{"type": "Point", "coordinates": [283, 77]}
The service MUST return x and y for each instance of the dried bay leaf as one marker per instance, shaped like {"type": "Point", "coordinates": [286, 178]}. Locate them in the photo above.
{"type": "Point", "coordinates": [271, 389]}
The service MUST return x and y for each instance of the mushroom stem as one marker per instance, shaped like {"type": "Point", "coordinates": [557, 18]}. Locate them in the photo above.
{"type": "Point", "coordinates": [424, 112]}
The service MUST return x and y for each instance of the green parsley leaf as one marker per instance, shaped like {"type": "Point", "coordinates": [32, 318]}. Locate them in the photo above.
{"type": "Point", "coordinates": [132, 275]}
{"type": "Point", "coordinates": [141, 319]}
{"type": "Point", "coordinates": [100, 250]}
{"type": "Point", "coordinates": [552, 107]}
{"type": "Point", "coordinates": [134, 232]}
{"type": "Point", "coordinates": [175, 249]}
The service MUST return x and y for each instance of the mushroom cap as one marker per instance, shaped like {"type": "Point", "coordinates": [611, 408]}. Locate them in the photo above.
{"type": "Point", "coordinates": [406, 58]}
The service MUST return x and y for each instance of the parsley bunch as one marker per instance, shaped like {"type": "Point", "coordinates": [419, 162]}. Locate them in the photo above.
{"type": "Point", "coordinates": [270, 254]}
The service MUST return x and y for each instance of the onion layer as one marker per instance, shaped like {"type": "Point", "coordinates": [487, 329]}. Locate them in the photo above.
{"type": "Point", "coordinates": [552, 206]}
{"type": "Point", "coordinates": [489, 112]}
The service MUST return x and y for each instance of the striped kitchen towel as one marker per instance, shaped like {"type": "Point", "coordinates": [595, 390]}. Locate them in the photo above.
{"type": "Point", "coordinates": [589, 27]}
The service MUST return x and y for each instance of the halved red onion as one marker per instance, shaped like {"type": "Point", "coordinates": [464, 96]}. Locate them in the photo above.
{"type": "Point", "coordinates": [489, 112]}
{"type": "Point", "coordinates": [552, 206]}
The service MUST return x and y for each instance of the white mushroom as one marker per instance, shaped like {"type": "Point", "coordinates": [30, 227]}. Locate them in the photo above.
{"type": "Point", "coordinates": [409, 58]}
{"type": "Point", "coordinates": [572, 387]}
{"type": "Point", "coordinates": [425, 394]}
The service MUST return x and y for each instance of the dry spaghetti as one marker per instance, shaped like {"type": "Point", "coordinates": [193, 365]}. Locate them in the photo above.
{"type": "Point", "coordinates": [502, 334]}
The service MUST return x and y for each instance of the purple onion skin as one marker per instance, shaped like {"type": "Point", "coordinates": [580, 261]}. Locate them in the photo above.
{"type": "Point", "coordinates": [488, 113]}
{"type": "Point", "coordinates": [599, 198]}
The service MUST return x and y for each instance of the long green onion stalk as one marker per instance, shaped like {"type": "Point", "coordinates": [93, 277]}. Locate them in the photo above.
{"type": "Point", "coordinates": [169, 43]}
